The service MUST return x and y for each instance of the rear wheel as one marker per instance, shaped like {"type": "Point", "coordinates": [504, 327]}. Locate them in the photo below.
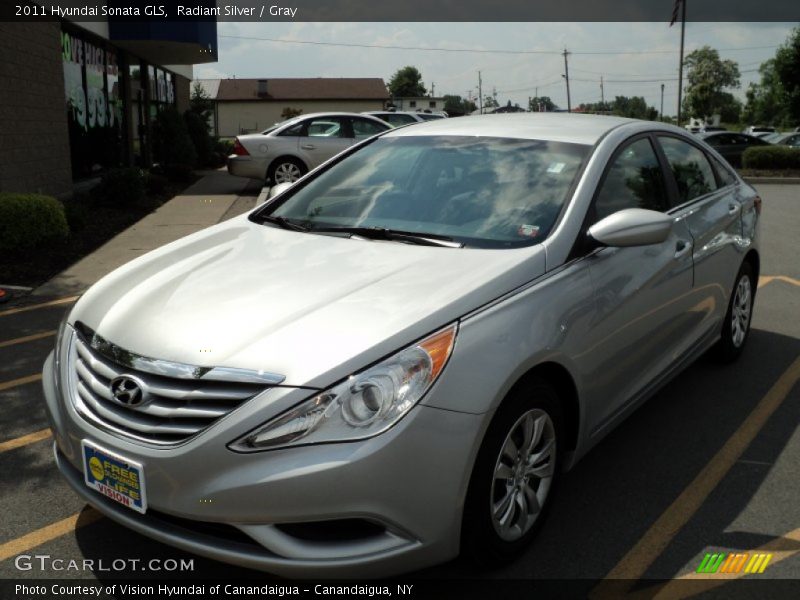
{"type": "Point", "coordinates": [514, 475]}
{"type": "Point", "coordinates": [286, 170]}
{"type": "Point", "coordinates": [736, 326]}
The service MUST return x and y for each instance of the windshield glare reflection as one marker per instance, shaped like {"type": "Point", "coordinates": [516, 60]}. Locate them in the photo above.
{"type": "Point", "coordinates": [482, 192]}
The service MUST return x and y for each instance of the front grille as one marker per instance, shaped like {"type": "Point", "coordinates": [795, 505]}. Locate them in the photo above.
{"type": "Point", "coordinates": [181, 400]}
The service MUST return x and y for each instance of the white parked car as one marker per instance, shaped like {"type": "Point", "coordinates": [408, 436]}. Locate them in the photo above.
{"type": "Point", "coordinates": [289, 150]}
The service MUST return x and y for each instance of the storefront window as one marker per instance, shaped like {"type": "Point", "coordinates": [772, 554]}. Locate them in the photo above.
{"type": "Point", "coordinates": [94, 111]}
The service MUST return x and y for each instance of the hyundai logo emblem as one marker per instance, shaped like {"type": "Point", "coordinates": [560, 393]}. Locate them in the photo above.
{"type": "Point", "coordinates": [129, 391]}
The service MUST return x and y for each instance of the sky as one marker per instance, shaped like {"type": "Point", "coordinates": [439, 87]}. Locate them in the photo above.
{"type": "Point", "coordinates": [634, 59]}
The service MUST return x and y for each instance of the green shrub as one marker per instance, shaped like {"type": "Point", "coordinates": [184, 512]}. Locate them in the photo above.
{"type": "Point", "coordinates": [78, 212]}
{"type": "Point", "coordinates": [771, 157]}
{"type": "Point", "coordinates": [156, 183]}
{"type": "Point", "coordinates": [224, 147]}
{"type": "Point", "coordinates": [121, 187]}
{"type": "Point", "coordinates": [198, 132]}
{"type": "Point", "coordinates": [172, 146]}
{"type": "Point", "coordinates": [28, 220]}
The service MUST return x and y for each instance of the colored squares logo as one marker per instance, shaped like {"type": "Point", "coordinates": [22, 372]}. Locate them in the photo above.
{"type": "Point", "coordinates": [734, 563]}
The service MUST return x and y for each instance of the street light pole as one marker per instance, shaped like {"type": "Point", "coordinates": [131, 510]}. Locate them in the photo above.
{"type": "Point", "coordinates": [662, 101]}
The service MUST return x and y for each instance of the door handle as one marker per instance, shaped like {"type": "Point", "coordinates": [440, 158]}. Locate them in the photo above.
{"type": "Point", "coordinates": [734, 209]}
{"type": "Point", "coordinates": [308, 146]}
{"type": "Point", "coordinates": [682, 247]}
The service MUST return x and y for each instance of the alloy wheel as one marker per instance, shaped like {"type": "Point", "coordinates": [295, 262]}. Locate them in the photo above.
{"type": "Point", "coordinates": [287, 172]}
{"type": "Point", "coordinates": [741, 311]}
{"type": "Point", "coordinates": [523, 474]}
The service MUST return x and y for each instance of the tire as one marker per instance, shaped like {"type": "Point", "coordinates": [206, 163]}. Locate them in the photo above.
{"type": "Point", "coordinates": [736, 327]}
{"type": "Point", "coordinates": [493, 502]}
{"type": "Point", "coordinates": [285, 169]}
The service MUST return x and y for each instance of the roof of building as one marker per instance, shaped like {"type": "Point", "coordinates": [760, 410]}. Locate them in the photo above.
{"type": "Point", "coordinates": [344, 88]}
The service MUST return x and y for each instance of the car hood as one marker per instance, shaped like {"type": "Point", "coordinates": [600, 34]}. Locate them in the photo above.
{"type": "Point", "coordinates": [313, 308]}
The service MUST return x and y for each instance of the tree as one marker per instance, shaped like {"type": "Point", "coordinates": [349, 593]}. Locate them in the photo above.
{"type": "Point", "coordinates": [766, 103]}
{"type": "Point", "coordinates": [787, 67]}
{"type": "Point", "coordinates": [776, 99]}
{"type": "Point", "coordinates": [456, 105]}
{"type": "Point", "coordinates": [490, 102]}
{"type": "Point", "coordinates": [201, 103]}
{"type": "Point", "coordinates": [407, 83]}
{"type": "Point", "coordinates": [289, 112]}
{"type": "Point", "coordinates": [541, 104]}
{"type": "Point", "coordinates": [634, 107]}
{"type": "Point", "coordinates": [707, 78]}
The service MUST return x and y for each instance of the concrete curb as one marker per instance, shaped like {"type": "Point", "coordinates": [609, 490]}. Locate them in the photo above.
{"type": "Point", "coordinates": [771, 180]}
{"type": "Point", "coordinates": [262, 196]}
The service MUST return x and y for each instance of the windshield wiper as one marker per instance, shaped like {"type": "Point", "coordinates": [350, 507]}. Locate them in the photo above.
{"type": "Point", "coordinates": [395, 235]}
{"type": "Point", "coordinates": [284, 223]}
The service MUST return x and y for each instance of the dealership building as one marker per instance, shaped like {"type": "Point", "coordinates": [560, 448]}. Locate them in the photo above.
{"type": "Point", "coordinates": [77, 98]}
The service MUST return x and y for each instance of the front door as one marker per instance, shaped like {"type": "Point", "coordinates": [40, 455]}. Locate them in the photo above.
{"type": "Point", "coordinates": [642, 293]}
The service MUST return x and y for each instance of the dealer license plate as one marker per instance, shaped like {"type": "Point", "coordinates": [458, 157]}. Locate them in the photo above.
{"type": "Point", "coordinates": [114, 476]}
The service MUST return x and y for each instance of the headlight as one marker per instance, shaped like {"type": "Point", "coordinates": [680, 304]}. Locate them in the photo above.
{"type": "Point", "coordinates": [363, 405]}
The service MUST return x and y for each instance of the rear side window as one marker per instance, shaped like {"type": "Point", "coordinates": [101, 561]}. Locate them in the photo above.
{"type": "Point", "coordinates": [726, 178]}
{"type": "Point", "coordinates": [294, 130]}
{"type": "Point", "coordinates": [398, 119]}
{"type": "Point", "coordinates": [691, 169]}
{"type": "Point", "coordinates": [634, 180]}
{"type": "Point", "coordinates": [363, 128]}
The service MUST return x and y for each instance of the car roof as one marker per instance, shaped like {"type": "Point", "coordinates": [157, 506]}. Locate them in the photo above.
{"type": "Point", "coordinates": [557, 127]}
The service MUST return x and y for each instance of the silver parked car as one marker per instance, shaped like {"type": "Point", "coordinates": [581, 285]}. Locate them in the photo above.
{"type": "Point", "coordinates": [393, 360]}
{"type": "Point", "coordinates": [288, 150]}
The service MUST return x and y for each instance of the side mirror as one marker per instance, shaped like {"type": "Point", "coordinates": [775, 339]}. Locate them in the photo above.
{"type": "Point", "coordinates": [277, 189]}
{"type": "Point", "coordinates": [632, 227]}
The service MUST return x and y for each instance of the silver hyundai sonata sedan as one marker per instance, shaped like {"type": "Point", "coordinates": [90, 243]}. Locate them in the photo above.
{"type": "Point", "coordinates": [395, 358]}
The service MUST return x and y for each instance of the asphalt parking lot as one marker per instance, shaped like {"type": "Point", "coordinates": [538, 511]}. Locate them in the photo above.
{"type": "Point", "coordinates": [709, 465]}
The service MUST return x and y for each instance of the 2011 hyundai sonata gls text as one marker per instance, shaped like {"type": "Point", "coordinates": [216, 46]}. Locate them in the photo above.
{"type": "Point", "coordinates": [393, 360]}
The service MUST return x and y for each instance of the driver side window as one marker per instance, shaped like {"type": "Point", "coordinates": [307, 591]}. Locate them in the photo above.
{"type": "Point", "coordinates": [634, 180]}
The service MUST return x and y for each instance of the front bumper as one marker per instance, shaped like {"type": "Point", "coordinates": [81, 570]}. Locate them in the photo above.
{"type": "Point", "coordinates": [410, 482]}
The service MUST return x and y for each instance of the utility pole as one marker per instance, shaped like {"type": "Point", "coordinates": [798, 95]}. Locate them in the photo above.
{"type": "Point", "coordinates": [566, 77]}
{"type": "Point", "coordinates": [680, 65]}
{"type": "Point", "coordinates": [602, 93]}
{"type": "Point", "coordinates": [662, 101]}
{"type": "Point", "coordinates": [480, 94]}
{"type": "Point", "coordinates": [433, 90]}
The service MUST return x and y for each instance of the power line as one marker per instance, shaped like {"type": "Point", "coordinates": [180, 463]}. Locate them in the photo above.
{"type": "Point", "coordinates": [470, 50]}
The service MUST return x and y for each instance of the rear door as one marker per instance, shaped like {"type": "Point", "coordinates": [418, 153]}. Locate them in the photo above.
{"type": "Point", "coordinates": [707, 198]}
{"type": "Point", "coordinates": [321, 138]}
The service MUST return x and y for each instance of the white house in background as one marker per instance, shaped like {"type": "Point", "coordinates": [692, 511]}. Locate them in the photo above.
{"type": "Point", "coordinates": [420, 103]}
{"type": "Point", "coordinates": [249, 105]}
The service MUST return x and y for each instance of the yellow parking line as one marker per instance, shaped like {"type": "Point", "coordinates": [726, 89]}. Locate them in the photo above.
{"type": "Point", "coordinates": [7, 385]}
{"type": "Point", "coordinates": [791, 280]}
{"type": "Point", "coordinates": [27, 338]}
{"type": "Point", "coordinates": [50, 532]}
{"type": "Point", "coordinates": [639, 558]}
{"type": "Point", "coordinates": [14, 311]}
{"type": "Point", "coordinates": [765, 279]}
{"type": "Point", "coordinates": [36, 436]}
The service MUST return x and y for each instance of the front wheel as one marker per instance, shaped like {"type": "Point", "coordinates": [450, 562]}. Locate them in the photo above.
{"type": "Point", "coordinates": [514, 475]}
{"type": "Point", "coordinates": [736, 326]}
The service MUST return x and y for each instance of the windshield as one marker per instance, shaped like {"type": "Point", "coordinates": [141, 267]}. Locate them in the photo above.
{"type": "Point", "coordinates": [480, 192]}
